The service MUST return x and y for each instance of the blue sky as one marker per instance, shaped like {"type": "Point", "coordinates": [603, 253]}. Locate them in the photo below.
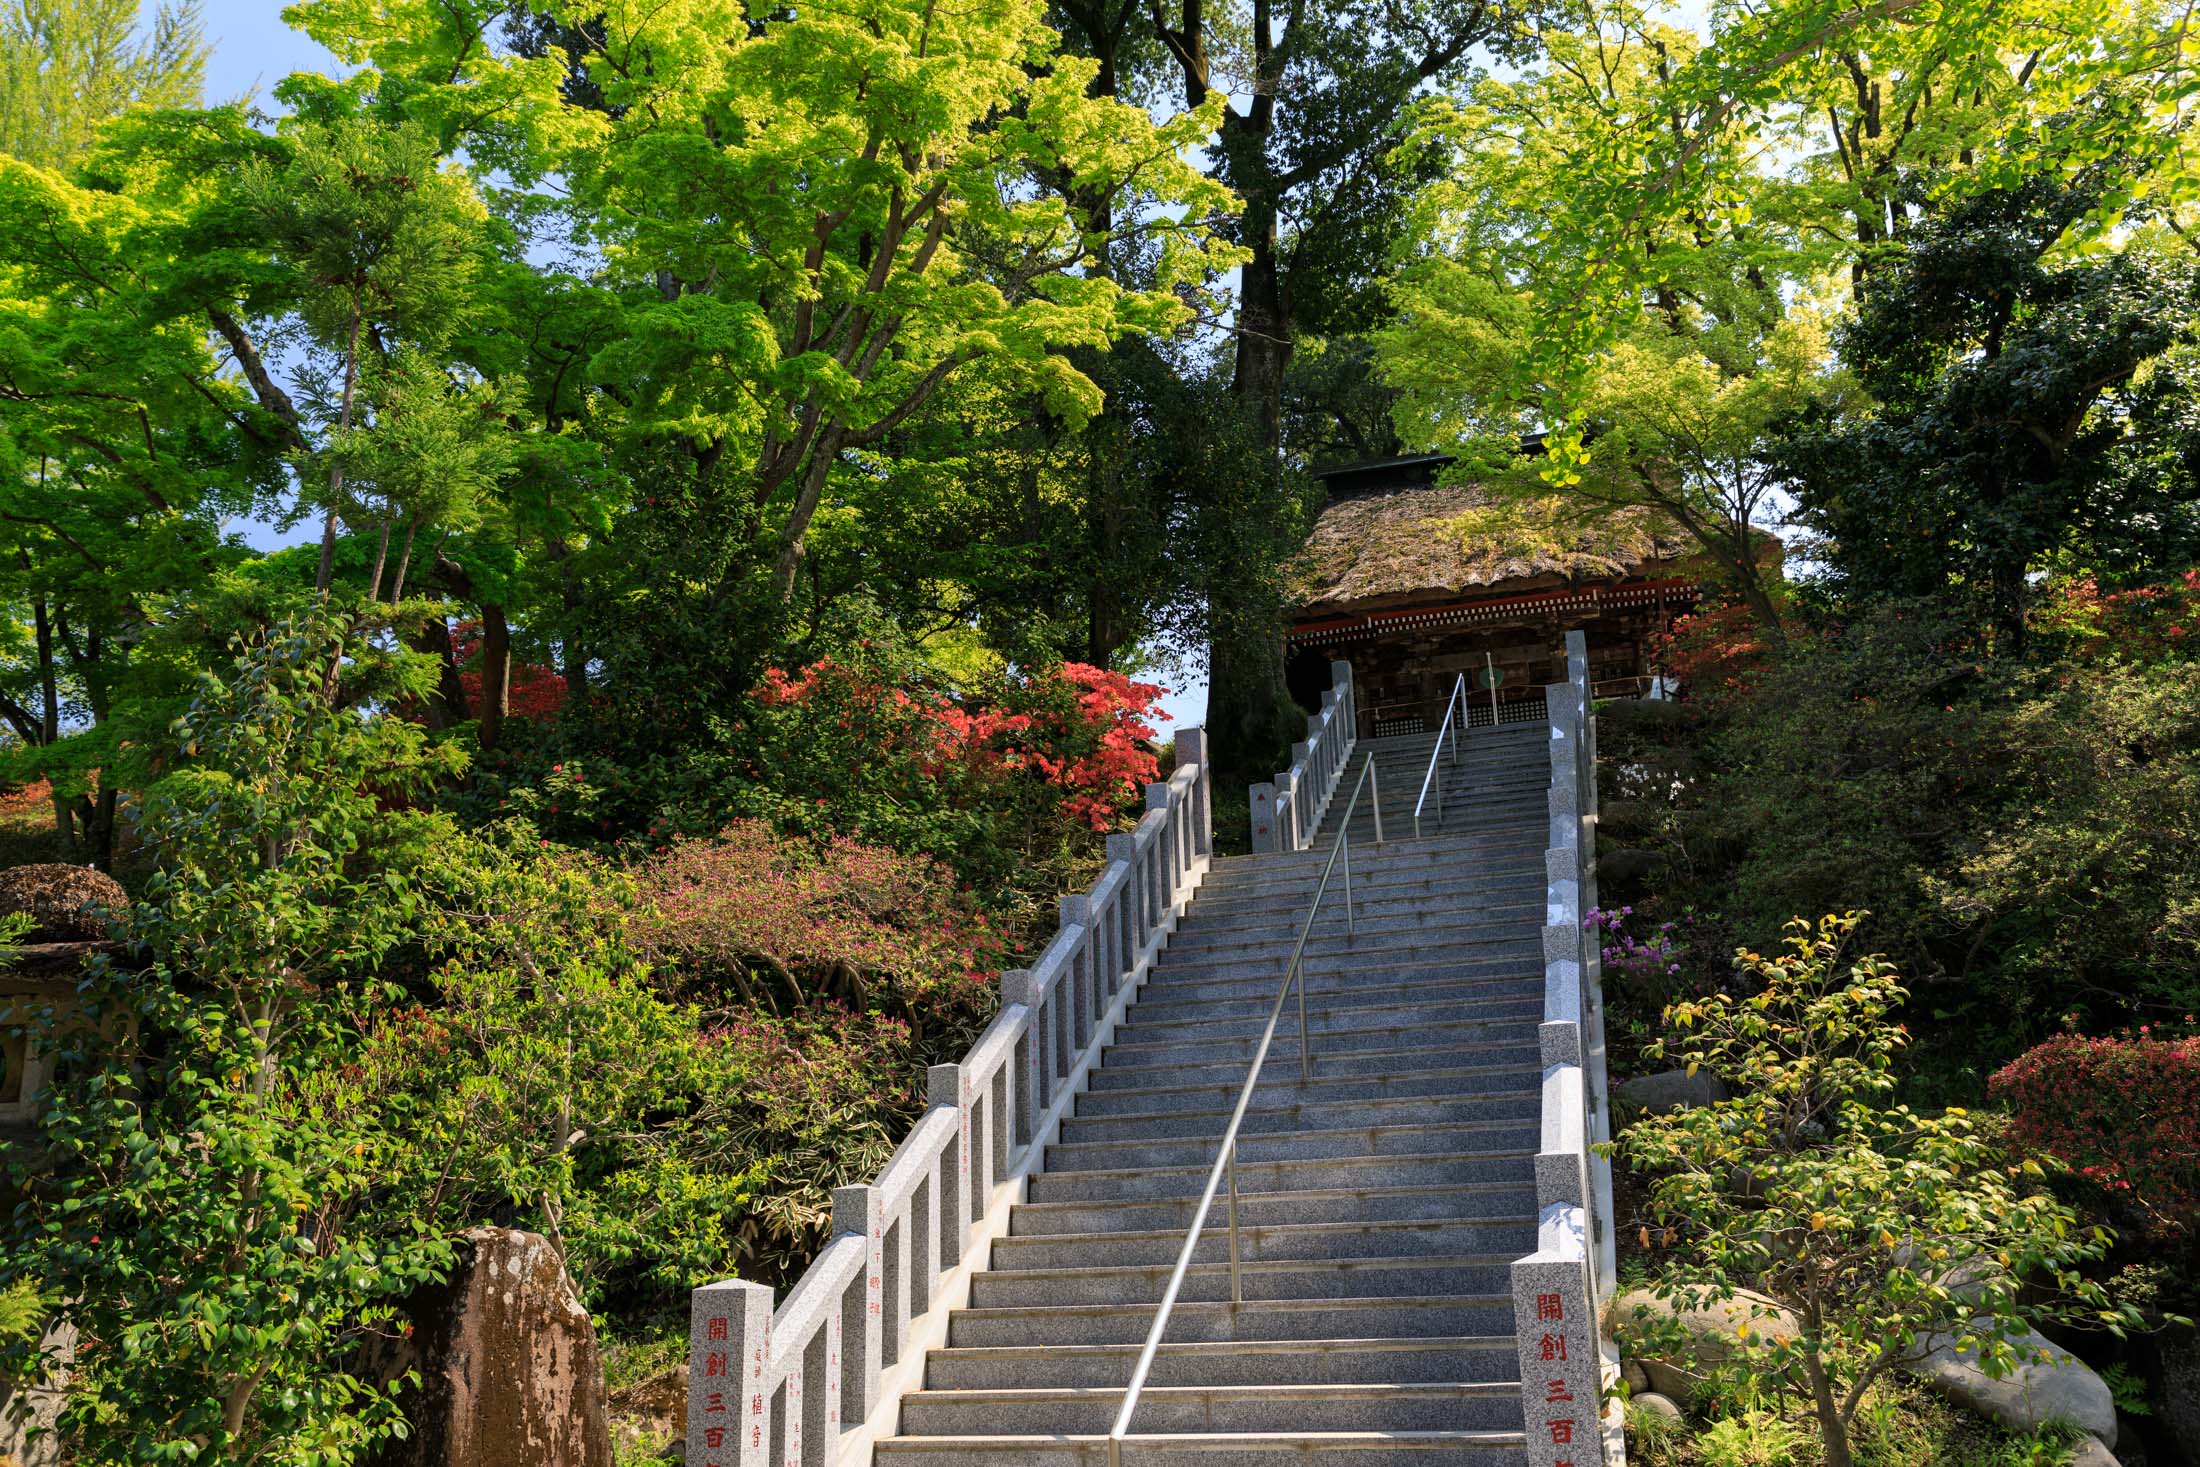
{"type": "Point", "coordinates": [253, 49]}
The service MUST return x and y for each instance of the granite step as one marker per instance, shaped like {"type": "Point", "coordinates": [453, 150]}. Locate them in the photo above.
{"type": "Point", "coordinates": [1289, 1175]}
{"type": "Point", "coordinates": [1351, 1142]}
{"type": "Point", "coordinates": [1216, 1449]}
{"type": "Point", "coordinates": [1196, 1321]}
{"type": "Point", "coordinates": [1402, 1406]}
{"type": "Point", "coordinates": [1329, 1279]}
{"type": "Point", "coordinates": [1464, 1076]}
{"type": "Point", "coordinates": [1520, 1104]}
{"type": "Point", "coordinates": [1269, 1243]}
{"type": "Point", "coordinates": [1438, 1202]}
{"type": "Point", "coordinates": [1417, 1050]}
{"type": "Point", "coordinates": [1229, 1362]}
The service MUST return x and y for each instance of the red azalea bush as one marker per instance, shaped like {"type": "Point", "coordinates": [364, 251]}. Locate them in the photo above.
{"type": "Point", "coordinates": [2146, 624]}
{"type": "Point", "coordinates": [2123, 1112]}
{"type": "Point", "coordinates": [789, 922]}
{"type": "Point", "coordinates": [998, 784]}
{"type": "Point", "coordinates": [535, 691]}
{"type": "Point", "coordinates": [1080, 729]}
{"type": "Point", "coordinates": [1713, 649]}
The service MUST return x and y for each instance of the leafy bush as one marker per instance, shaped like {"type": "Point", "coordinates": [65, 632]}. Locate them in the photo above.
{"type": "Point", "coordinates": [1760, 1439]}
{"type": "Point", "coordinates": [228, 1209]}
{"type": "Point", "coordinates": [2122, 1112]}
{"type": "Point", "coordinates": [1877, 1225]}
{"type": "Point", "coordinates": [818, 1100]}
{"type": "Point", "coordinates": [2021, 833]}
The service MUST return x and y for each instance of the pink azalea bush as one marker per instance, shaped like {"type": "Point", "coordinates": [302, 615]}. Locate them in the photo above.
{"type": "Point", "coordinates": [788, 923]}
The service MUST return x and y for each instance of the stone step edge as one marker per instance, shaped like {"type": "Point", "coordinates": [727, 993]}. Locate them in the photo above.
{"type": "Point", "coordinates": [1479, 1047]}
{"type": "Point", "coordinates": [1286, 1043]}
{"type": "Point", "coordinates": [1011, 1395]}
{"type": "Point", "coordinates": [1300, 1443]}
{"type": "Point", "coordinates": [1304, 1194]}
{"type": "Point", "coordinates": [1416, 1261]}
{"type": "Point", "coordinates": [1220, 1228]}
{"type": "Point", "coordinates": [1527, 1068]}
{"type": "Point", "coordinates": [1368, 1345]}
{"type": "Point", "coordinates": [1404, 1158]}
{"type": "Point", "coordinates": [1223, 1112]}
{"type": "Point", "coordinates": [1135, 1031]}
{"type": "Point", "coordinates": [1214, 1306]}
{"type": "Point", "coordinates": [1490, 1123]}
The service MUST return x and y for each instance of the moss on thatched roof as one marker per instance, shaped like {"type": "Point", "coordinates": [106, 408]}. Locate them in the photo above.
{"type": "Point", "coordinates": [1450, 542]}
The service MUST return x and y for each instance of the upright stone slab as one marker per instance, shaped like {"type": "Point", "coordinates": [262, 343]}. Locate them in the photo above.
{"type": "Point", "coordinates": [509, 1370]}
{"type": "Point", "coordinates": [729, 1349]}
{"type": "Point", "coordinates": [1561, 1362]}
{"type": "Point", "coordinates": [30, 1409]}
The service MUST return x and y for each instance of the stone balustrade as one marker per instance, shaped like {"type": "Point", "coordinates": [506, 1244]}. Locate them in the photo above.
{"type": "Point", "coordinates": [816, 1380]}
{"type": "Point", "coordinates": [1568, 1363]}
{"type": "Point", "coordinates": [1288, 810]}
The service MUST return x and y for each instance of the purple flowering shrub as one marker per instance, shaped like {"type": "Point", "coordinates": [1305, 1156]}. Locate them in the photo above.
{"type": "Point", "coordinates": [1642, 963]}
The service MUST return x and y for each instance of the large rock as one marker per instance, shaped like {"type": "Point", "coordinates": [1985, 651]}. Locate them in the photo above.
{"type": "Point", "coordinates": [2090, 1453]}
{"type": "Point", "coordinates": [510, 1374]}
{"type": "Point", "coordinates": [1671, 1090]}
{"type": "Point", "coordinates": [2178, 1400]}
{"type": "Point", "coordinates": [63, 900]}
{"type": "Point", "coordinates": [2040, 1390]}
{"type": "Point", "coordinates": [1618, 867]}
{"type": "Point", "coordinates": [1715, 1328]}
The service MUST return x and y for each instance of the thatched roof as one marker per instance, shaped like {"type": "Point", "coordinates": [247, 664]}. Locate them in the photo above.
{"type": "Point", "coordinates": [1452, 542]}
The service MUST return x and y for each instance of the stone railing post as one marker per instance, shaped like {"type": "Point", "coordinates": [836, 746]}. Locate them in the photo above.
{"type": "Point", "coordinates": [856, 1212]}
{"type": "Point", "coordinates": [1285, 810]}
{"type": "Point", "coordinates": [948, 1086]}
{"type": "Point", "coordinates": [729, 1349]}
{"type": "Point", "coordinates": [1561, 1362]}
{"type": "Point", "coordinates": [1191, 749]}
{"type": "Point", "coordinates": [1267, 836]}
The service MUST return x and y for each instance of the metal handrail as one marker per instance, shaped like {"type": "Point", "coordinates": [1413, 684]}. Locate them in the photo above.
{"type": "Point", "coordinates": [1226, 1158]}
{"type": "Point", "coordinates": [1449, 731]}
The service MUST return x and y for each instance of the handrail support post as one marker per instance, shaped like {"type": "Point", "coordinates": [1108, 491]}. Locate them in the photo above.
{"type": "Point", "coordinates": [1306, 1071]}
{"type": "Point", "coordinates": [1237, 1290]}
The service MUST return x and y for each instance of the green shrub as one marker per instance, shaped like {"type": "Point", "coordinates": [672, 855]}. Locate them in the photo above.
{"type": "Point", "coordinates": [1876, 1225]}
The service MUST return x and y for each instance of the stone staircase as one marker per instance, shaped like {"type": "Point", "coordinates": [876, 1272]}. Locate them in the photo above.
{"type": "Point", "coordinates": [1381, 1202]}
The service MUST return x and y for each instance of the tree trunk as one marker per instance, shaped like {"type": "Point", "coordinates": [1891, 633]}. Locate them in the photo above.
{"type": "Point", "coordinates": [327, 570]}
{"type": "Point", "coordinates": [1264, 337]}
{"type": "Point", "coordinates": [2008, 607]}
{"type": "Point", "coordinates": [49, 717]}
{"type": "Point", "coordinates": [446, 705]}
{"type": "Point", "coordinates": [1751, 583]}
{"type": "Point", "coordinates": [496, 673]}
{"type": "Point", "coordinates": [1251, 720]}
{"type": "Point", "coordinates": [1250, 716]}
{"type": "Point", "coordinates": [1832, 1429]}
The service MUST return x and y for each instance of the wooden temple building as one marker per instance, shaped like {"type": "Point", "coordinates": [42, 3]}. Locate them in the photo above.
{"type": "Point", "coordinates": [1413, 584]}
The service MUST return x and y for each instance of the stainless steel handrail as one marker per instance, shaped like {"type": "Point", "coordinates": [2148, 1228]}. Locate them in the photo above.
{"type": "Point", "coordinates": [1226, 1159]}
{"type": "Point", "coordinates": [1449, 731]}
